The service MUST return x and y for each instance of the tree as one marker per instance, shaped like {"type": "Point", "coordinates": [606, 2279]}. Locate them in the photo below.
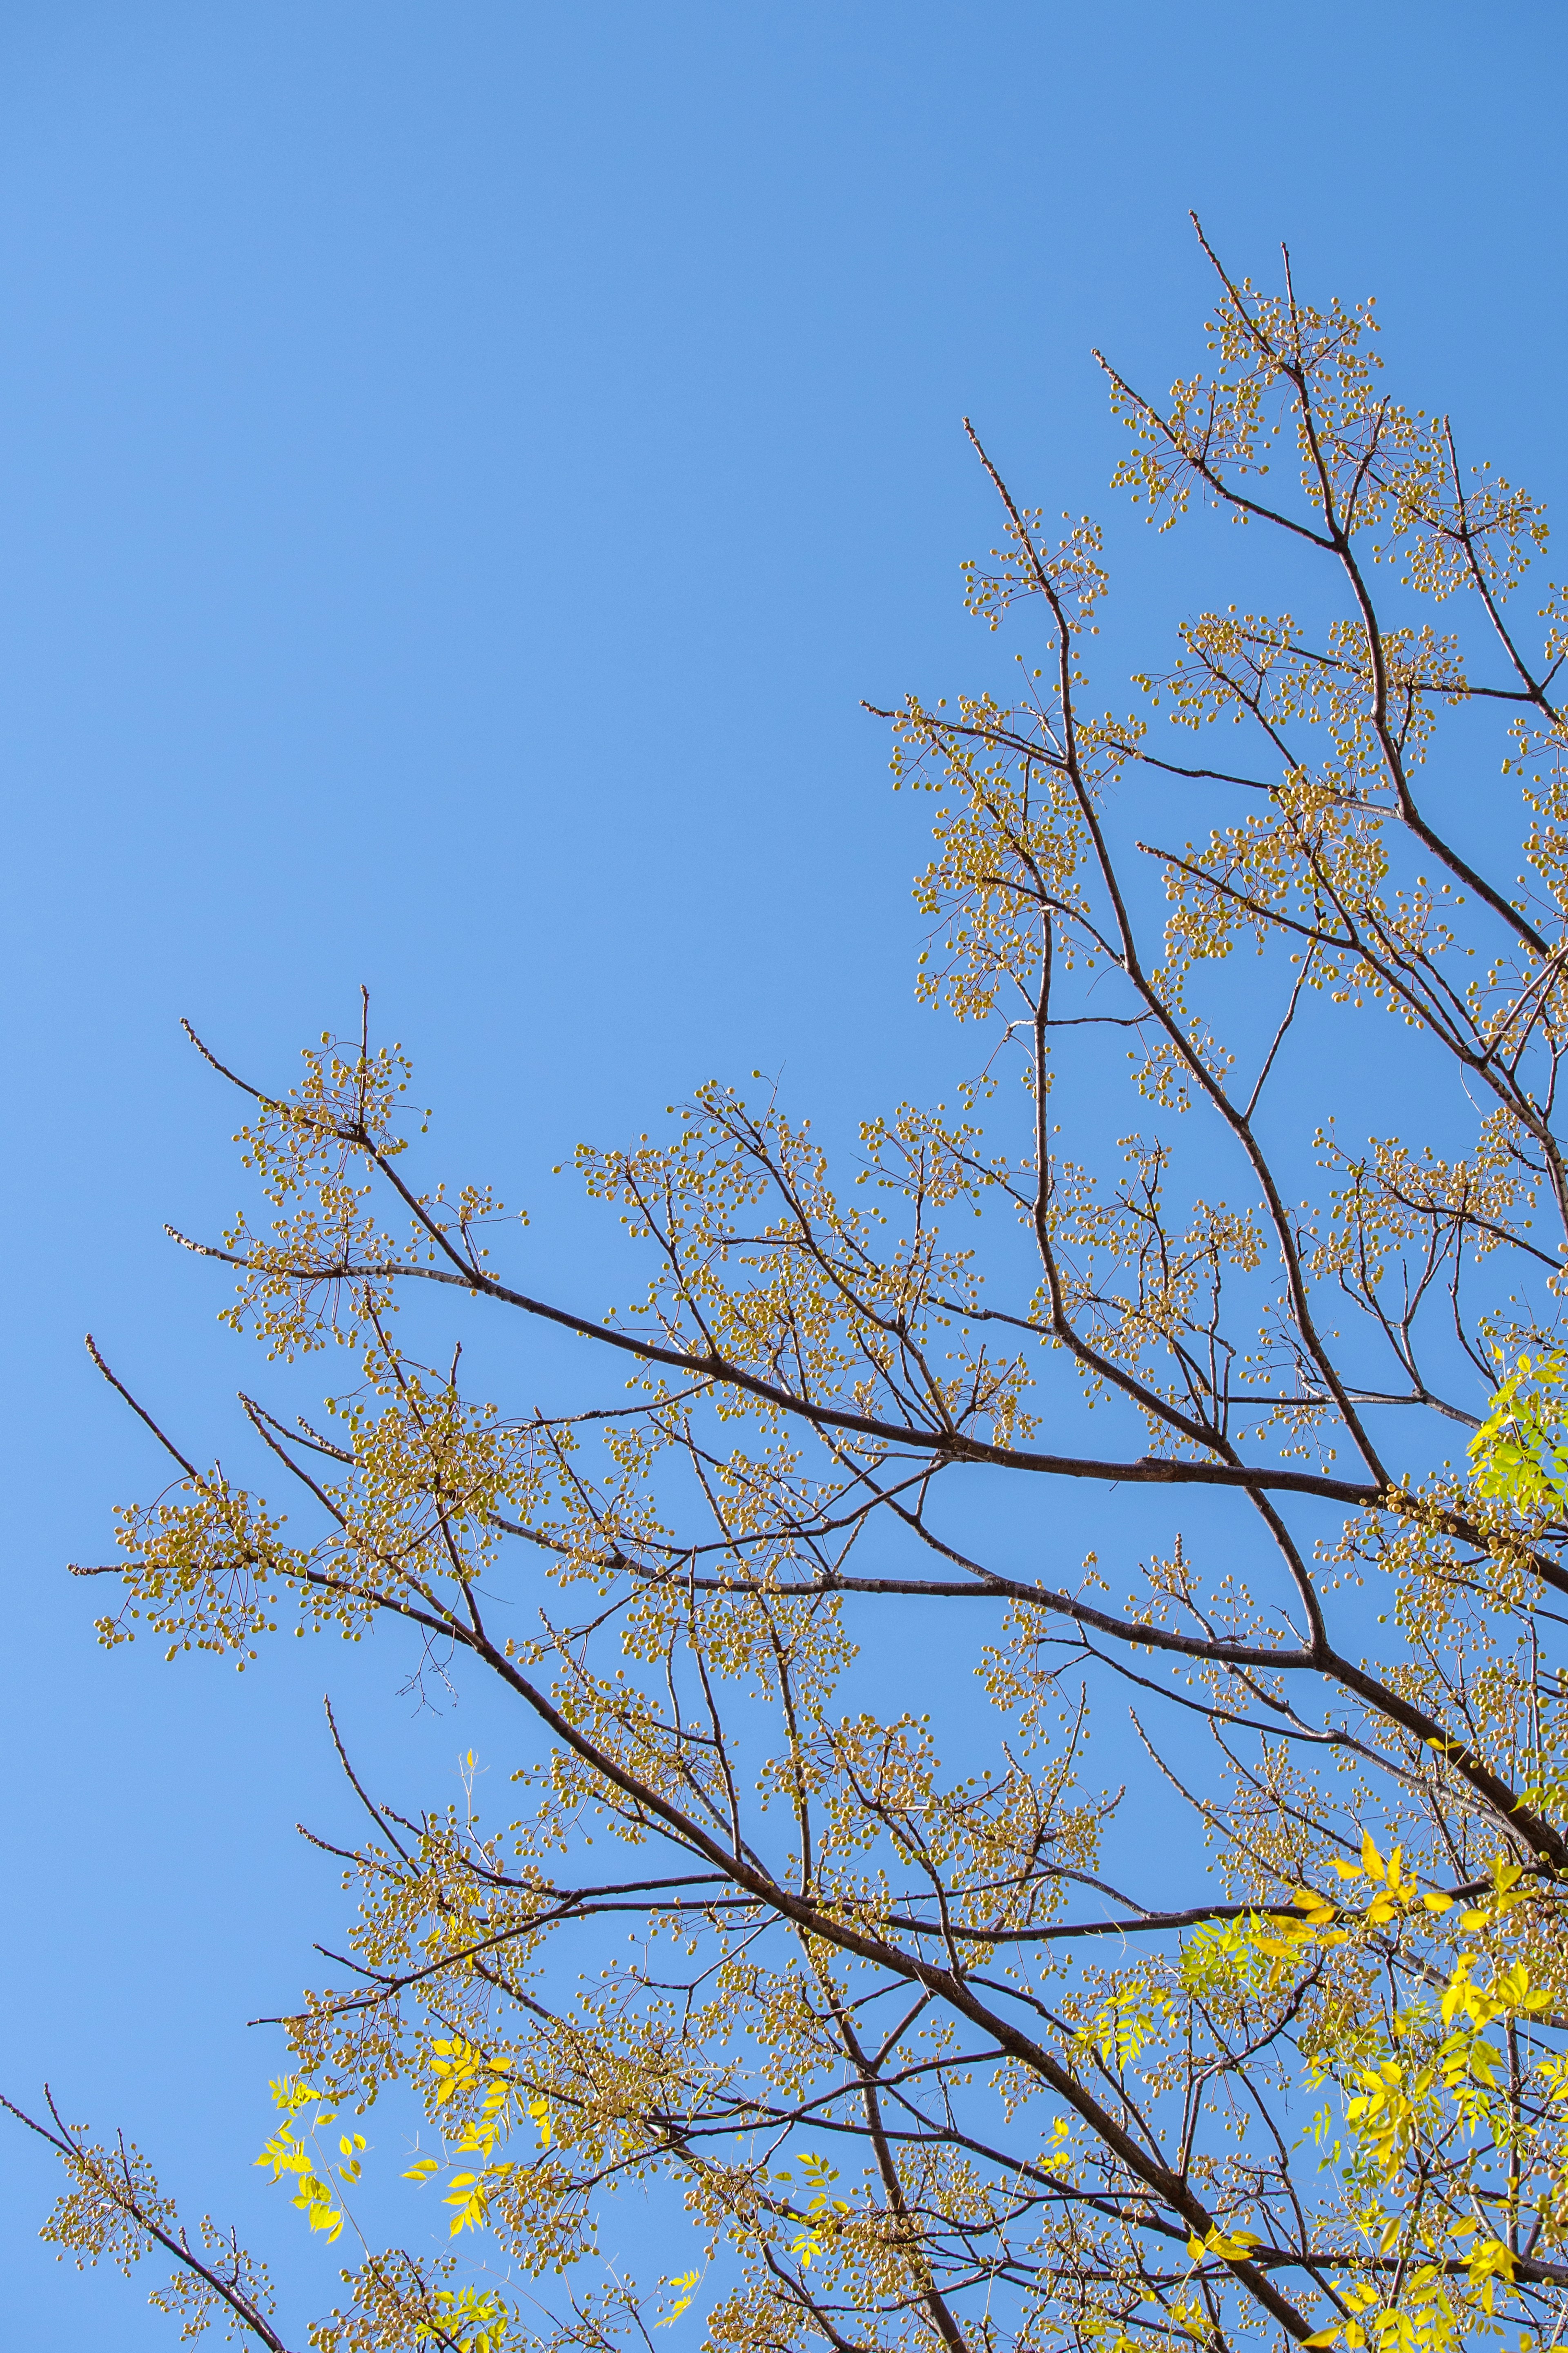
{"type": "Point", "coordinates": [908, 2046]}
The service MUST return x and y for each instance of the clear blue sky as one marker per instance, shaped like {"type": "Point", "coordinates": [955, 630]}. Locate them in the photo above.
{"type": "Point", "coordinates": [461, 466]}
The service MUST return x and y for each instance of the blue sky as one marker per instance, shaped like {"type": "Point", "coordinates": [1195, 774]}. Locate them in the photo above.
{"type": "Point", "coordinates": [460, 468]}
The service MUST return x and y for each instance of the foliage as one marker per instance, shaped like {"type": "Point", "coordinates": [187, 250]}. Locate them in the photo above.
{"type": "Point", "coordinates": [891, 2052]}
